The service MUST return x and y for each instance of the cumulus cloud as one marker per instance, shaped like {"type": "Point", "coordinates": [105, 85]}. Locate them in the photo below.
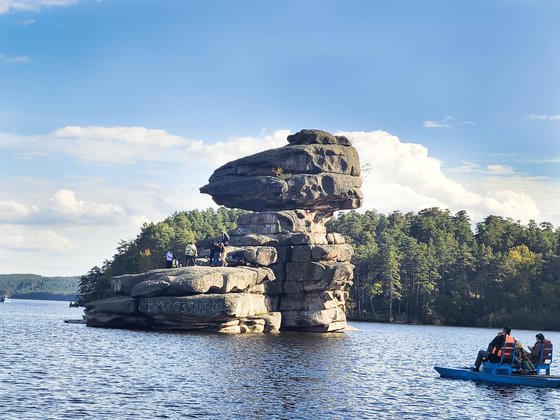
{"type": "Point", "coordinates": [13, 211]}
{"type": "Point", "coordinates": [64, 202]}
{"type": "Point", "coordinates": [31, 5]}
{"type": "Point", "coordinates": [64, 208]}
{"type": "Point", "coordinates": [405, 177]}
{"type": "Point", "coordinates": [149, 174]}
{"type": "Point", "coordinates": [44, 240]}
{"type": "Point", "coordinates": [236, 147]}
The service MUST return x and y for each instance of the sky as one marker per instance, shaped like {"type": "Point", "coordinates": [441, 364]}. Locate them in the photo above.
{"type": "Point", "coordinates": [114, 113]}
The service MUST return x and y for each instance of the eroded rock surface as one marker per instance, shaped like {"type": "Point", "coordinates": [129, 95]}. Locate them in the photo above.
{"type": "Point", "coordinates": [287, 271]}
{"type": "Point", "coordinates": [190, 298]}
{"type": "Point", "coordinates": [315, 171]}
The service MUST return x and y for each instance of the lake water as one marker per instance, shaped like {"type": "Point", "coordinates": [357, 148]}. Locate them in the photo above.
{"type": "Point", "coordinates": [53, 370]}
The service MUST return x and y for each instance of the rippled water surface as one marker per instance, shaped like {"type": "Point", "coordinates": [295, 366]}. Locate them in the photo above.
{"type": "Point", "coordinates": [51, 370]}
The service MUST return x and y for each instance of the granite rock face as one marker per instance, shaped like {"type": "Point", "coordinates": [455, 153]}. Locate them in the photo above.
{"type": "Point", "coordinates": [223, 299]}
{"type": "Point", "coordinates": [313, 273]}
{"type": "Point", "coordinates": [315, 171]}
{"type": "Point", "coordinates": [285, 270]}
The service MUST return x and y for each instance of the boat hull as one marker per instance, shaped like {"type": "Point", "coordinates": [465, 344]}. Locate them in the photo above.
{"type": "Point", "coordinates": [540, 381]}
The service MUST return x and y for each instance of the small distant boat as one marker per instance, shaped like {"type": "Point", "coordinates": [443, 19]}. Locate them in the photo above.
{"type": "Point", "coordinates": [540, 381]}
{"type": "Point", "coordinates": [75, 321]}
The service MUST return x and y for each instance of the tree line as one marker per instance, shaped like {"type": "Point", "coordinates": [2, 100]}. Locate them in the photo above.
{"type": "Point", "coordinates": [32, 286]}
{"type": "Point", "coordinates": [429, 267]}
{"type": "Point", "coordinates": [147, 250]}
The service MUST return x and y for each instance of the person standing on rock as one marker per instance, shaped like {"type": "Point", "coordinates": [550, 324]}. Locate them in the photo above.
{"type": "Point", "coordinates": [223, 243]}
{"type": "Point", "coordinates": [225, 239]}
{"type": "Point", "coordinates": [215, 251]}
{"type": "Point", "coordinates": [190, 254]}
{"type": "Point", "coordinates": [169, 259]}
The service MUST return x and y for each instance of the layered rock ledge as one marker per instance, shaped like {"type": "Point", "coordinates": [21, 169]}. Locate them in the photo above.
{"type": "Point", "coordinates": [220, 299]}
{"type": "Point", "coordinates": [295, 275]}
{"type": "Point", "coordinates": [315, 171]}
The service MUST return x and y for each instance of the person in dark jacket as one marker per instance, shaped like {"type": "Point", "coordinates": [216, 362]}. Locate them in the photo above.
{"type": "Point", "coordinates": [494, 351]}
{"type": "Point", "coordinates": [215, 251]}
{"type": "Point", "coordinates": [537, 349]}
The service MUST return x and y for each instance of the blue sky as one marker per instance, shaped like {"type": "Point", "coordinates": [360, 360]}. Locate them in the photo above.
{"type": "Point", "coordinates": [115, 112]}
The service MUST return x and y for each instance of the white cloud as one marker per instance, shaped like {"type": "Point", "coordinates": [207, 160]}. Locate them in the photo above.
{"type": "Point", "coordinates": [14, 211]}
{"type": "Point", "coordinates": [494, 169]}
{"type": "Point", "coordinates": [20, 238]}
{"type": "Point", "coordinates": [445, 123]}
{"type": "Point", "coordinates": [26, 22]}
{"type": "Point", "coordinates": [129, 145]}
{"type": "Point", "coordinates": [19, 59]}
{"type": "Point", "coordinates": [433, 124]}
{"type": "Point", "coordinates": [117, 144]}
{"type": "Point", "coordinates": [31, 5]}
{"type": "Point", "coordinates": [146, 175]}
{"type": "Point", "coordinates": [404, 177]}
{"type": "Point", "coordinates": [500, 169]}
{"type": "Point", "coordinates": [236, 147]}
{"type": "Point", "coordinates": [66, 204]}
{"type": "Point", "coordinates": [64, 208]}
{"type": "Point", "coordinates": [555, 117]}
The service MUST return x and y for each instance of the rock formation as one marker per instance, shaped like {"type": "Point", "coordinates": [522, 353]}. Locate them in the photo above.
{"type": "Point", "coordinates": [313, 271]}
{"type": "Point", "coordinates": [295, 275]}
{"type": "Point", "coordinates": [316, 171]}
{"type": "Point", "coordinates": [223, 299]}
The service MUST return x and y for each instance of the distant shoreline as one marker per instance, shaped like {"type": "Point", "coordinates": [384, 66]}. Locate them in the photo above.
{"type": "Point", "coordinates": [33, 296]}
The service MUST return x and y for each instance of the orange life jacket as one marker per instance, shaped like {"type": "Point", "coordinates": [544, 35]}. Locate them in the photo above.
{"type": "Point", "coordinates": [509, 350]}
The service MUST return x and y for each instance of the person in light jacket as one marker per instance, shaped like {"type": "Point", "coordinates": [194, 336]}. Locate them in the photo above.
{"type": "Point", "coordinates": [190, 254]}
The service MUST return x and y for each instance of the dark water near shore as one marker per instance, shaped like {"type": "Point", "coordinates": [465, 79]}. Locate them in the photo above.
{"type": "Point", "coordinates": [52, 370]}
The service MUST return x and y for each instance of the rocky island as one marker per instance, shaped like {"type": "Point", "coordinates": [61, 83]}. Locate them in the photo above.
{"type": "Point", "coordinates": [294, 276]}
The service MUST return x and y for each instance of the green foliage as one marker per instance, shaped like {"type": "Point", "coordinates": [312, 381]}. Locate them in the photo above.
{"type": "Point", "coordinates": [32, 286]}
{"type": "Point", "coordinates": [428, 267]}
{"type": "Point", "coordinates": [93, 286]}
{"type": "Point", "coordinates": [431, 267]}
{"type": "Point", "coordinates": [147, 251]}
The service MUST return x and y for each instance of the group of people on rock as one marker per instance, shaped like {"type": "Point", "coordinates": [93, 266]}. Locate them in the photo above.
{"type": "Point", "coordinates": [190, 257]}
{"type": "Point", "coordinates": [525, 359]}
{"type": "Point", "coordinates": [217, 254]}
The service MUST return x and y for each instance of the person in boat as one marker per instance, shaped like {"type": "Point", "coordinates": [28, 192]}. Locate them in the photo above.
{"type": "Point", "coordinates": [524, 358]}
{"type": "Point", "coordinates": [536, 350]}
{"type": "Point", "coordinates": [494, 351]}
